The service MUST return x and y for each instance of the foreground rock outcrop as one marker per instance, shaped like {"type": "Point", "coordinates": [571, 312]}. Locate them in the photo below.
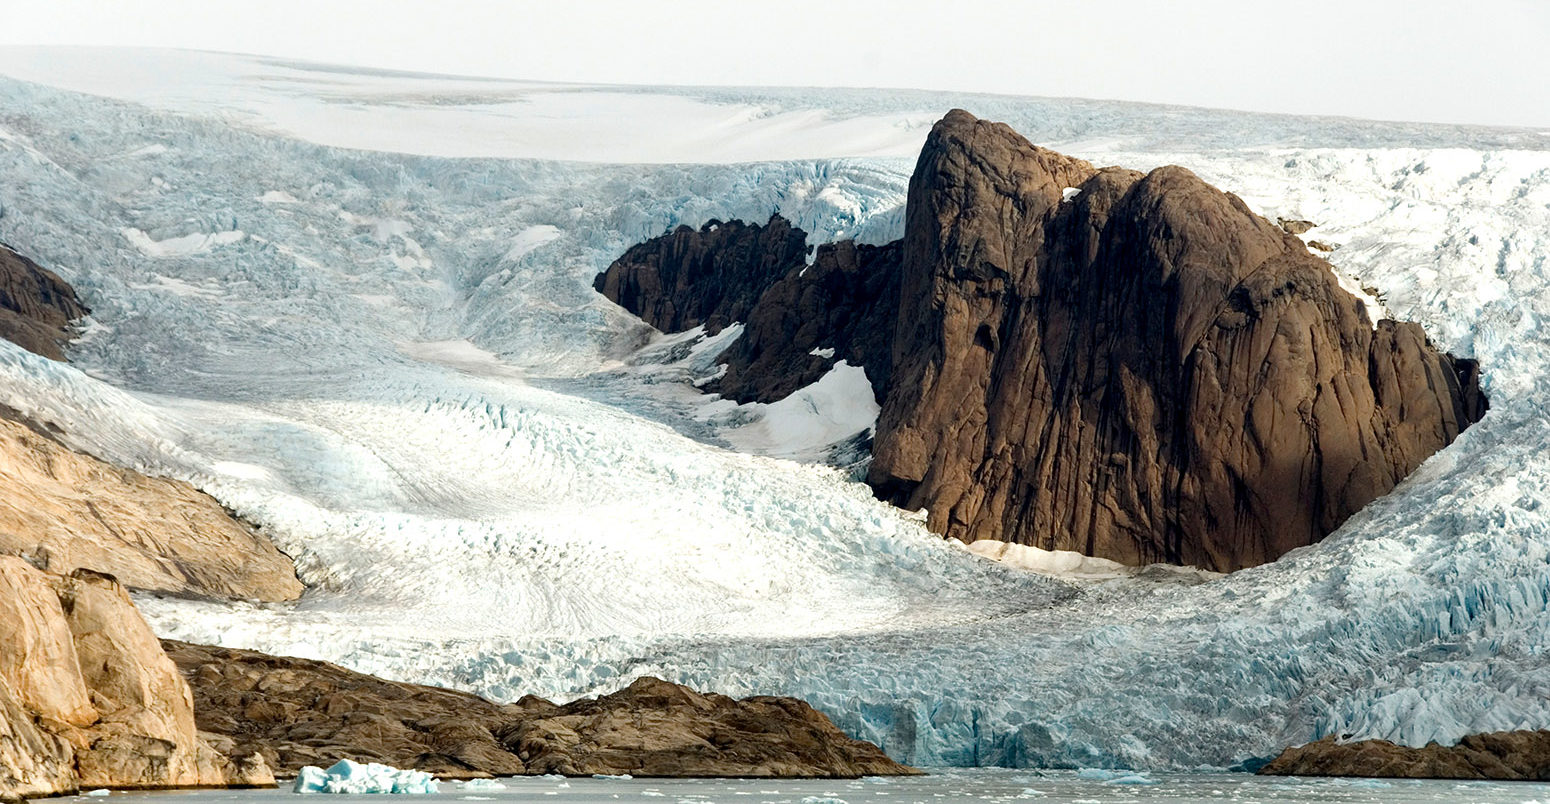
{"type": "Point", "coordinates": [87, 697]}
{"type": "Point", "coordinates": [63, 511]}
{"type": "Point", "coordinates": [37, 308]}
{"type": "Point", "coordinates": [297, 712]}
{"type": "Point", "coordinates": [1513, 755]}
{"type": "Point", "coordinates": [1129, 366]}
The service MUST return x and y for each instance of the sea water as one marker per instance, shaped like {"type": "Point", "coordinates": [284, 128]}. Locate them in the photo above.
{"type": "Point", "coordinates": [942, 786]}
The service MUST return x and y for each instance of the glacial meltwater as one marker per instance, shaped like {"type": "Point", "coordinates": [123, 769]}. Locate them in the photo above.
{"type": "Point", "coordinates": [942, 786]}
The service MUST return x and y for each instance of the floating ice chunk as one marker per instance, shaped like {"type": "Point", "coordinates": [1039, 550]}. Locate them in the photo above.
{"type": "Point", "coordinates": [346, 776]}
{"type": "Point", "coordinates": [483, 784]}
{"type": "Point", "coordinates": [612, 776]}
{"type": "Point", "coordinates": [1364, 784]}
{"type": "Point", "coordinates": [103, 791]}
{"type": "Point", "coordinates": [823, 800]}
{"type": "Point", "coordinates": [1097, 774]}
{"type": "Point", "coordinates": [1132, 778]}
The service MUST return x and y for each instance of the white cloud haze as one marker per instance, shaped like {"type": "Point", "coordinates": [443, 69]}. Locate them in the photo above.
{"type": "Point", "coordinates": [1483, 62]}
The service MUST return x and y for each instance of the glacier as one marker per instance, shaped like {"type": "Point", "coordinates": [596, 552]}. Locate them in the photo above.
{"type": "Point", "coordinates": [356, 308]}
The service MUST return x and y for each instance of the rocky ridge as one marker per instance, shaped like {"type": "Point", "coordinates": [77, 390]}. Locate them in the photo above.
{"type": "Point", "coordinates": [87, 697]}
{"type": "Point", "coordinates": [62, 511]}
{"type": "Point", "coordinates": [1129, 366]}
{"type": "Point", "coordinates": [297, 712]}
{"type": "Point", "coordinates": [37, 309]}
{"type": "Point", "coordinates": [1511, 755]}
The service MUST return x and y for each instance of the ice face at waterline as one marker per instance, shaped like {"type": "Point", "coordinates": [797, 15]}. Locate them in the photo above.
{"type": "Point", "coordinates": [396, 363]}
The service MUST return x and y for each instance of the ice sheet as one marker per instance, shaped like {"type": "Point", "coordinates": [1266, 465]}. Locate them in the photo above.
{"type": "Point", "coordinates": [401, 371]}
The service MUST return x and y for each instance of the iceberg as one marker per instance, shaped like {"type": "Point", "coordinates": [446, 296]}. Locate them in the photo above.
{"type": "Point", "coordinates": [346, 776]}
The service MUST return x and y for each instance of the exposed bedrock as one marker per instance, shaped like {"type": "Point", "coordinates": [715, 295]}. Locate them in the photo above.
{"type": "Point", "coordinates": [1145, 371]}
{"type": "Point", "coordinates": [710, 277]}
{"type": "Point", "coordinates": [1130, 366]}
{"type": "Point", "coordinates": [87, 697]}
{"type": "Point", "coordinates": [1513, 755]}
{"type": "Point", "coordinates": [62, 511]}
{"type": "Point", "coordinates": [37, 308]}
{"type": "Point", "coordinates": [298, 712]}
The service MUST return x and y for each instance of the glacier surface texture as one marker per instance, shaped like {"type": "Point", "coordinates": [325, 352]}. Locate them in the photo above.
{"type": "Point", "coordinates": [356, 308]}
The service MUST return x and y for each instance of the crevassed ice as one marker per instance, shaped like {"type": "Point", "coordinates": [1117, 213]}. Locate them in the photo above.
{"type": "Point", "coordinates": [401, 371]}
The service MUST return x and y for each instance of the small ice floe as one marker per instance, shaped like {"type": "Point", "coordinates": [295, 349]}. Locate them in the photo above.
{"type": "Point", "coordinates": [612, 776]}
{"type": "Point", "coordinates": [353, 777]}
{"type": "Point", "coordinates": [1132, 778]}
{"type": "Point", "coordinates": [824, 800]}
{"type": "Point", "coordinates": [102, 791]}
{"type": "Point", "coordinates": [483, 784]}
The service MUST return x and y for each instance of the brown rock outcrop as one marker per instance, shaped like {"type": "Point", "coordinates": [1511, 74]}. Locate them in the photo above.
{"type": "Point", "coordinates": [846, 301]}
{"type": "Point", "coordinates": [298, 712]}
{"type": "Point", "coordinates": [712, 276]}
{"type": "Point", "coordinates": [656, 728]}
{"type": "Point", "coordinates": [63, 510]}
{"type": "Point", "coordinates": [1130, 366]}
{"type": "Point", "coordinates": [88, 698]}
{"type": "Point", "coordinates": [1513, 755]}
{"type": "Point", "coordinates": [1295, 226]}
{"type": "Point", "coordinates": [1147, 372]}
{"type": "Point", "coordinates": [37, 308]}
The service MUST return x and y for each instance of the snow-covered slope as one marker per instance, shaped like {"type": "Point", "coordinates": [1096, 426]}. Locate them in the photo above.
{"type": "Point", "coordinates": [393, 359]}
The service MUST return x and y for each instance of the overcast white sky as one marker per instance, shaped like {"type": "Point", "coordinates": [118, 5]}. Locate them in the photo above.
{"type": "Point", "coordinates": [1463, 61]}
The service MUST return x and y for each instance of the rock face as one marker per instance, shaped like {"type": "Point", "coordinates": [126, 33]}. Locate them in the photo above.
{"type": "Point", "coordinates": [1147, 372]}
{"type": "Point", "coordinates": [842, 307]}
{"type": "Point", "coordinates": [63, 511]}
{"type": "Point", "coordinates": [36, 306]}
{"type": "Point", "coordinates": [88, 698]}
{"type": "Point", "coordinates": [710, 277]}
{"type": "Point", "coordinates": [1514, 755]}
{"type": "Point", "coordinates": [297, 712]}
{"type": "Point", "coordinates": [799, 319]}
{"type": "Point", "coordinates": [1129, 366]}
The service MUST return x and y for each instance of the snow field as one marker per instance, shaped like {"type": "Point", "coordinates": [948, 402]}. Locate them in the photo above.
{"type": "Point", "coordinates": [494, 479]}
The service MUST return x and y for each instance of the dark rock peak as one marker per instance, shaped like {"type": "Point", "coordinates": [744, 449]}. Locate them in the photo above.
{"type": "Point", "coordinates": [1146, 372]}
{"type": "Point", "coordinates": [846, 301]}
{"type": "Point", "coordinates": [712, 276]}
{"type": "Point", "coordinates": [37, 308]}
{"type": "Point", "coordinates": [1130, 366]}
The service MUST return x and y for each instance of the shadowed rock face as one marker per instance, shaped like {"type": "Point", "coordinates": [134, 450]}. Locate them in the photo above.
{"type": "Point", "coordinates": [1513, 755]}
{"type": "Point", "coordinates": [713, 276]}
{"type": "Point", "coordinates": [36, 306]}
{"type": "Point", "coordinates": [297, 712]}
{"type": "Point", "coordinates": [1145, 372]}
{"type": "Point", "coordinates": [1130, 366]}
{"type": "Point", "coordinates": [845, 301]}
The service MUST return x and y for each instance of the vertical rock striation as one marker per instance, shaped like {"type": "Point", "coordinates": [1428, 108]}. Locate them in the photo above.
{"type": "Point", "coordinates": [1130, 366]}
{"type": "Point", "coordinates": [1145, 371]}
